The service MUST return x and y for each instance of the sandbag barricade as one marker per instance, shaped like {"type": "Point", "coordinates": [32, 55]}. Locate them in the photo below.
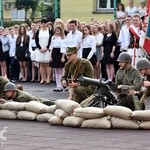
{"type": "Point", "coordinates": [69, 113]}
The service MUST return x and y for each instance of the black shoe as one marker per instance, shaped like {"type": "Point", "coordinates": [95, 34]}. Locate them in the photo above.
{"type": "Point", "coordinates": [58, 90]}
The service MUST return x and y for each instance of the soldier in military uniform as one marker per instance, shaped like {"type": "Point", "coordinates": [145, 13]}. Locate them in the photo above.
{"type": "Point", "coordinates": [14, 94]}
{"type": "Point", "coordinates": [74, 68]}
{"type": "Point", "coordinates": [143, 66]}
{"type": "Point", "coordinates": [3, 81]}
{"type": "Point", "coordinates": [127, 79]}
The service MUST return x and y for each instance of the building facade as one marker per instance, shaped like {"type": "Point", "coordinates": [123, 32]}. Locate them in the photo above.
{"type": "Point", "coordinates": [84, 10]}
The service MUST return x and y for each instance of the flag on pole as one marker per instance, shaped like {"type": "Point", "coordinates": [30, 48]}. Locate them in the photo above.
{"type": "Point", "coordinates": [146, 44]}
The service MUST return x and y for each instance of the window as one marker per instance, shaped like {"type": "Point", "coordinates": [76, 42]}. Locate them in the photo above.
{"type": "Point", "coordinates": [105, 5]}
{"type": "Point", "coordinates": [9, 6]}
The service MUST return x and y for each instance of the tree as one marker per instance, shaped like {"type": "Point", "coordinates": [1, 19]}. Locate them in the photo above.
{"type": "Point", "coordinates": [26, 5]}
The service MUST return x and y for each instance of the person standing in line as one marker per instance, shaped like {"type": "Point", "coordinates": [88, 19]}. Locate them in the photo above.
{"type": "Point", "coordinates": [88, 45]}
{"type": "Point", "coordinates": [22, 52]}
{"type": "Point", "coordinates": [73, 38]}
{"type": "Point", "coordinates": [13, 63]}
{"type": "Point", "coordinates": [131, 9]}
{"type": "Point", "coordinates": [57, 58]}
{"type": "Point", "coordinates": [108, 50]}
{"type": "Point", "coordinates": [43, 39]}
{"type": "Point", "coordinates": [99, 40]}
{"type": "Point", "coordinates": [136, 35]}
{"type": "Point", "coordinates": [33, 49]}
{"type": "Point", "coordinates": [124, 36]}
{"type": "Point", "coordinates": [142, 8]}
{"type": "Point", "coordinates": [4, 52]}
{"type": "Point", "coordinates": [121, 15]}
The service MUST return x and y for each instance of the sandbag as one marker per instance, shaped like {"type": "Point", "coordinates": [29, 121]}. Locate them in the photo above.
{"type": "Point", "coordinates": [14, 106]}
{"type": "Point", "coordinates": [26, 115]}
{"type": "Point", "coordinates": [73, 121]}
{"type": "Point", "coordinates": [123, 123]}
{"type": "Point", "coordinates": [61, 113]}
{"type": "Point", "coordinates": [141, 115]}
{"type": "Point", "coordinates": [67, 105]}
{"type": "Point", "coordinates": [103, 123]}
{"type": "Point", "coordinates": [118, 111]}
{"type": "Point", "coordinates": [1, 106]}
{"type": "Point", "coordinates": [37, 107]}
{"type": "Point", "coordinates": [8, 114]}
{"type": "Point", "coordinates": [89, 112]}
{"type": "Point", "coordinates": [44, 117]}
{"type": "Point", "coordinates": [51, 109]}
{"type": "Point", "coordinates": [145, 125]}
{"type": "Point", "coordinates": [55, 121]}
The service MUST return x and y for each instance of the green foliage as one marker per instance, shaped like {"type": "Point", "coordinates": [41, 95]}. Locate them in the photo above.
{"type": "Point", "coordinates": [27, 4]}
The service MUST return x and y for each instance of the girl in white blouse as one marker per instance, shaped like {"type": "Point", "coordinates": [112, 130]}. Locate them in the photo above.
{"type": "Point", "coordinates": [99, 40]}
{"type": "Point", "coordinates": [57, 57]}
{"type": "Point", "coordinates": [88, 45]}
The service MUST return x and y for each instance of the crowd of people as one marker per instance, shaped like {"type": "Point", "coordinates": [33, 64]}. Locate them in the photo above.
{"type": "Point", "coordinates": [41, 52]}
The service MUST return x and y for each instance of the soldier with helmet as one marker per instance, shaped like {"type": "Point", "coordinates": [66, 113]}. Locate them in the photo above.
{"type": "Point", "coordinates": [127, 79]}
{"type": "Point", "coordinates": [11, 91]}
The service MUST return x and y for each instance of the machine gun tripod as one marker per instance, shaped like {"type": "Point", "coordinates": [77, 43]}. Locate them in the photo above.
{"type": "Point", "coordinates": [105, 92]}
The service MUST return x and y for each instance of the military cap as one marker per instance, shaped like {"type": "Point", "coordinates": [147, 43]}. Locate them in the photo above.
{"type": "Point", "coordinates": [10, 87]}
{"type": "Point", "coordinates": [143, 64]}
{"type": "Point", "coordinates": [124, 56]}
{"type": "Point", "coordinates": [71, 50]}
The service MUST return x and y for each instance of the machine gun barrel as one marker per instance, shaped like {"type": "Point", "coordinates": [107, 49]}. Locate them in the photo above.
{"type": "Point", "coordinates": [90, 81]}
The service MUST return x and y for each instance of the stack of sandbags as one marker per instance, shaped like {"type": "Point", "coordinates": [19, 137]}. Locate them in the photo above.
{"type": "Point", "coordinates": [32, 111]}
{"type": "Point", "coordinates": [93, 117]}
{"type": "Point", "coordinates": [143, 117]}
{"type": "Point", "coordinates": [121, 117]}
{"type": "Point", "coordinates": [64, 109]}
{"type": "Point", "coordinates": [48, 114]}
{"type": "Point", "coordinates": [10, 109]}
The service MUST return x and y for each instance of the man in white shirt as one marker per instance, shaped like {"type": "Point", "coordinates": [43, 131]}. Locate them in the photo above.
{"type": "Point", "coordinates": [142, 8]}
{"type": "Point", "coordinates": [73, 38]}
{"type": "Point", "coordinates": [135, 37]}
{"type": "Point", "coordinates": [124, 36]}
{"type": "Point", "coordinates": [13, 63]}
{"type": "Point", "coordinates": [131, 9]}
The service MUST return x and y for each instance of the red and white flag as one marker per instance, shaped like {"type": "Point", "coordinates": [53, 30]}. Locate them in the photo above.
{"type": "Point", "coordinates": [146, 44]}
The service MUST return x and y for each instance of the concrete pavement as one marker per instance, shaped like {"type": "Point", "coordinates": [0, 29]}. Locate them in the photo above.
{"type": "Point", "coordinates": [32, 135]}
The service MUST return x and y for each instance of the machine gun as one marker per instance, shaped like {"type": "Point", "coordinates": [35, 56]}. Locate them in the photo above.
{"type": "Point", "coordinates": [104, 94]}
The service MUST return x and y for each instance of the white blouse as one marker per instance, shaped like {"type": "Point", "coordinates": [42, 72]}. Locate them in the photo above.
{"type": "Point", "coordinates": [89, 42]}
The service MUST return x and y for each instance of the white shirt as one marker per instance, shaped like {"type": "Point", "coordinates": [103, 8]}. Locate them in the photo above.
{"type": "Point", "coordinates": [89, 42]}
{"type": "Point", "coordinates": [99, 38]}
{"type": "Point", "coordinates": [12, 45]}
{"type": "Point", "coordinates": [4, 40]}
{"type": "Point", "coordinates": [31, 41]}
{"type": "Point", "coordinates": [124, 37]}
{"type": "Point", "coordinates": [73, 39]}
{"type": "Point", "coordinates": [131, 10]}
{"type": "Point", "coordinates": [120, 14]}
{"type": "Point", "coordinates": [142, 11]}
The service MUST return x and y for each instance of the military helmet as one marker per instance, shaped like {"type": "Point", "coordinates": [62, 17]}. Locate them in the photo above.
{"type": "Point", "coordinates": [10, 87]}
{"type": "Point", "coordinates": [124, 56]}
{"type": "Point", "coordinates": [143, 64]}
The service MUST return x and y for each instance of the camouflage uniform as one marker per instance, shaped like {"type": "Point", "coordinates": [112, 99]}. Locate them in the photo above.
{"type": "Point", "coordinates": [22, 96]}
{"type": "Point", "coordinates": [3, 81]}
{"type": "Point", "coordinates": [86, 69]}
{"type": "Point", "coordinates": [131, 80]}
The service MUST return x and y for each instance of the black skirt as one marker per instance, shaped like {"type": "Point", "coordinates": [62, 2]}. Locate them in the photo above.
{"type": "Point", "coordinates": [56, 59]}
{"type": "Point", "coordinates": [85, 54]}
{"type": "Point", "coordinates": [4, 56]}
